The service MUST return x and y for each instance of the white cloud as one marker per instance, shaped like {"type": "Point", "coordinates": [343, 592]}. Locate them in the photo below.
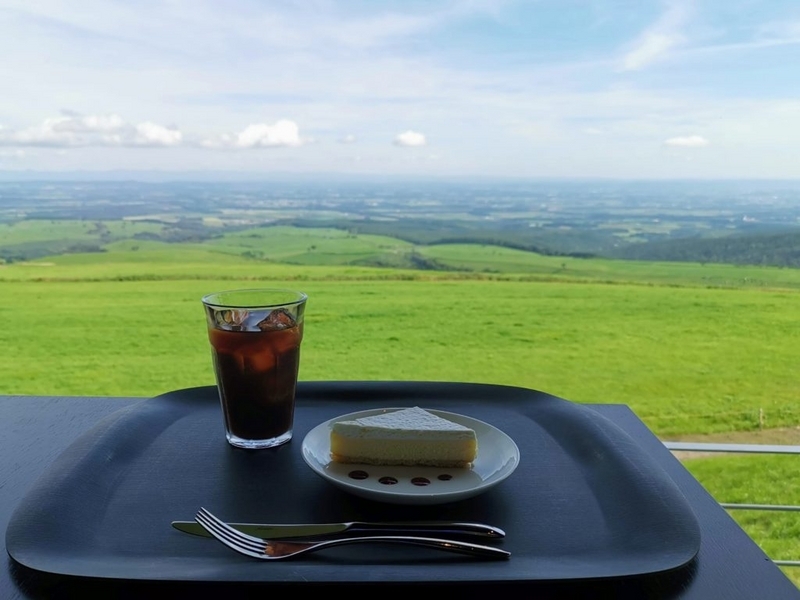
{"type": "Point", "coordinates": [689, 141]}
{"type": "Point", "coordinates": [410, 139]}
{"type": "Point", "coordinates": [90, 123]}
{"type": "Point", "coordinates": [348, 139]}
{"type": "Point", "coordinates": [91, 130]}
{"type": "Point", "coordinates": [657, 41]}
{"type": "Point", "coordinates": [151, 134]}
{"type": "Point", "coordinates": [49, 133]}
{"type": "Point", "coordinates": [71, 131]}
{"type": "Point", "coordinates": [259, 135]}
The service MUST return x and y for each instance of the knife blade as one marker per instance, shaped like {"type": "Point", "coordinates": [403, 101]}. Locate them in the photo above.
{"type": "Point", "coordinates": [321, 530]}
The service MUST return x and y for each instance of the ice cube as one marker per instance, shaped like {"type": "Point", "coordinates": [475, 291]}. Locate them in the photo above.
{"type": "Point", "coordinates": [230, 320]}
{"type": "Point", "coordinates": [259, 362]}
{"type": "Point", "coordinates": [285, 341]}
{"type": "Point", "coordinates": [280, 318]}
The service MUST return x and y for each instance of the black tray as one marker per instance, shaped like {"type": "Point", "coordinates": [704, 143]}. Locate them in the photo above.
{"type": "Point", "coordinates": [585, 501]}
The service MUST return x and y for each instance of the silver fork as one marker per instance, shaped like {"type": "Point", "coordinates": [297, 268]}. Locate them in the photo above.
{"type": "Point", "coordinates": [260, 548]}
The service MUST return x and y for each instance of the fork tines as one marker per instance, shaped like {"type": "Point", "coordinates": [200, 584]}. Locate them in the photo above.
{"type": "Point", "coordinates": [229, 536]}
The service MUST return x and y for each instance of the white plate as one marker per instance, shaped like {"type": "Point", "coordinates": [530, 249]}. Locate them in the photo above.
{"type": "Point", "coordinates": [497, 458]}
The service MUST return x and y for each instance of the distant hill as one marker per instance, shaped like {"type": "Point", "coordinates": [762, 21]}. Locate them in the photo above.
{"type": "Point", "coordinates": [508, 234]}
{"type": "Point", "coordinates": [777, 249]}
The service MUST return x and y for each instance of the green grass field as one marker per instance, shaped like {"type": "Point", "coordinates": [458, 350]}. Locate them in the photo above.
{"type": "Point", "coordinates": [692, 349]}
{"type": "Point", "coordinates": [686, 359]}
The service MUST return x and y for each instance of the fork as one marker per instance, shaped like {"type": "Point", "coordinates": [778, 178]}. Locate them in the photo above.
{"type": "Point", "coordinates": [260, 548]}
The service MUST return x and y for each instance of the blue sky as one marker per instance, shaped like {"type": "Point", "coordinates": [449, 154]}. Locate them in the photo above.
{"type": "Point", "coordinates": [547, 88]}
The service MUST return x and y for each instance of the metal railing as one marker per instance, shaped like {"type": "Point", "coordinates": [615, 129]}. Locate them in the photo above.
{"type": "Point", "coordinates": [745, 449]}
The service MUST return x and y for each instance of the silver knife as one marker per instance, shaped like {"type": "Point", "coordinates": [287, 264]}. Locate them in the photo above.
{"type": "Point", "coordinates": [319, 530]}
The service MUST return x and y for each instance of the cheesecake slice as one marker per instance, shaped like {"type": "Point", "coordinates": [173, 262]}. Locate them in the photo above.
{"type": "Point", "coordinates": [410, 436]}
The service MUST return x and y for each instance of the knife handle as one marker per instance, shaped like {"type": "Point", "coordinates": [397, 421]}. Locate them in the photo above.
{"type": "Point", "coordinates": [439, 527]}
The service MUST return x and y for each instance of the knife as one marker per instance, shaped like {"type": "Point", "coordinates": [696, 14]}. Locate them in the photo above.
{"type": "Point", "coordinates": [321, 530]}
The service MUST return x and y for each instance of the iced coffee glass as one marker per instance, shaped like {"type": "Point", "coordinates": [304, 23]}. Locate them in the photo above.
{"type": "Point", "coordinates": [255, 340]}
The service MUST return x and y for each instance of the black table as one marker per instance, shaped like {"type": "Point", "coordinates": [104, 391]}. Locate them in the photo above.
{"type": "Point", "coordinates": [35, 430]}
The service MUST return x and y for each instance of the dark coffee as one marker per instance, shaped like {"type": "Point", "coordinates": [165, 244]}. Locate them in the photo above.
{"type": "Point", "coordinates": [257, 376]}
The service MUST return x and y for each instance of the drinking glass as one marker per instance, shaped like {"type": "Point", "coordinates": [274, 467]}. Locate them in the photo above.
{"type": "Point", "coordinates": [255, 337]}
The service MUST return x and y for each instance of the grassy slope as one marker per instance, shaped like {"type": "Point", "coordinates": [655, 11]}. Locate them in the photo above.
{"type": "Point", "coordinates": [759, 479]}
{"type": "Point", "coordinates": [687, 360]}
{"type": "Point", "coordinates": [493, 259]}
